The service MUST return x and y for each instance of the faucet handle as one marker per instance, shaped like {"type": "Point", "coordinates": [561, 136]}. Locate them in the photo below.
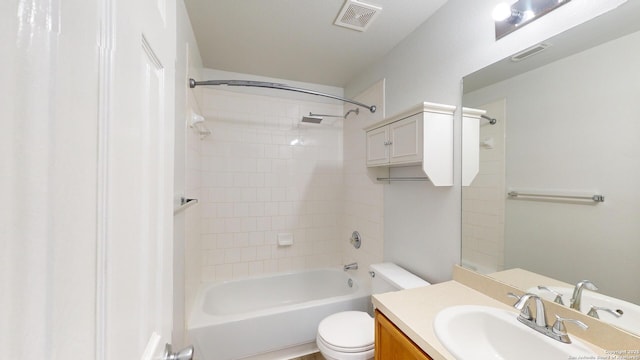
{"type": "Point", "coordinates": [593, 312]}
{"type": "Point", "coordinates": [526, 311]}
{"type": "Point", "coordinates": [560, 329]}
{"type": "Point", "coordinates": [558, 299]}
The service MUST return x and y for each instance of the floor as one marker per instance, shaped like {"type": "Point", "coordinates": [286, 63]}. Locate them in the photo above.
{"type": "Point", "coordinates": [316, 356]}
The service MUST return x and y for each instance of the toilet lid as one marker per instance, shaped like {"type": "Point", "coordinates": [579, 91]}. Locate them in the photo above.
{"type": "Point", "coordinates": [348, 331]}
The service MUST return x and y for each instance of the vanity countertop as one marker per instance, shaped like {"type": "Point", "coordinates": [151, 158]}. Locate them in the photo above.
{"type": "Point", "coordinates": [524, 279]}
{"type": "Point", "coordinates": [414, 310]}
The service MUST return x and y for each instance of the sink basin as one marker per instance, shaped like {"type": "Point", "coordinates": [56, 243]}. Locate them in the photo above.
{"type": "Point", "coordinates": [630, 319]}
{"type": "Point", "coordinates": [481, 332]}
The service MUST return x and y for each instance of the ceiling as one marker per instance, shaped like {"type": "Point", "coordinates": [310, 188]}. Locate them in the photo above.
{"type": "Point", "coordinates": [296, 39]}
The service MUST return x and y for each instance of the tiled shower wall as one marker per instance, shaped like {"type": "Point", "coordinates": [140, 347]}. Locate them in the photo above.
{"type": "Point", "coordinates": [264, 173]}
{"type": "Point", "coordinates": [483, 202]}
{"type": "Point", "coordinates": [363, 200]}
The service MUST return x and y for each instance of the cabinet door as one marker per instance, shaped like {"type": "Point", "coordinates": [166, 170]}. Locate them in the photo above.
{"type": "Point", "coordinates": [393, 344]}
{"type": "Point", "coordinates": [377, 146]}
{"type": "Point", "coordinates": [406, 140]}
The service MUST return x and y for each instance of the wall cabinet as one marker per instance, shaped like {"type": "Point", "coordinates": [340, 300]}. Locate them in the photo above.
{"type": "Point", "coordinates": [393, 344]}
{"type": "Point", "coordinates": [399, 143]}
{"type": "Point", "coordinates": [421, 136]}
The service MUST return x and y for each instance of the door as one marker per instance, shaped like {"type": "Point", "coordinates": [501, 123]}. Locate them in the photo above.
{"type": "Point", "coordinates": [378, 146]}
{"type": "Point", "coordinates": [135, 259]}
{"type": "Point", "coordinates": [406, 140]}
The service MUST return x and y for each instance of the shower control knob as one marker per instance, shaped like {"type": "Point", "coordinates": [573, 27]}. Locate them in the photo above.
{"type": "Point", "coordinates": [355, 240]}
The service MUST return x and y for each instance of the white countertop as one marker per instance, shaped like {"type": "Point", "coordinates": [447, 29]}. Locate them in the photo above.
{"type": "Point", "coordinates": [414, 310]}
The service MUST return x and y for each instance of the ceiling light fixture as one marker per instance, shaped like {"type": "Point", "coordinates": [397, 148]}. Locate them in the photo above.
{"type": "Point", "coordinates": [508, 18]}
{"type": "Point", "coordinates": [503, 11]}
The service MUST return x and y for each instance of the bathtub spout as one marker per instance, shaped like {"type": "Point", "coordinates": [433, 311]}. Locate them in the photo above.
{"type": "Point", "coordinates": [352, 266]}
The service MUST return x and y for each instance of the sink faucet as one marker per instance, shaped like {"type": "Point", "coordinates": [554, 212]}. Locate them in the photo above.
{"type": "Point", "coordinates": [352, 266]}
{"type": "Point", "coordinates": [539, 323]}
{"type": "Point", "coordinates": [575, 302]}
{"type": "Point", "coordinates": [540, 319]}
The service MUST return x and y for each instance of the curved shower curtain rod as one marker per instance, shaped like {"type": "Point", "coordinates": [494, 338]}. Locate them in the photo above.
{"type": "Point", "coordinates": [193, 83]}
{"type": "Point", "coordinates": [492, 121]}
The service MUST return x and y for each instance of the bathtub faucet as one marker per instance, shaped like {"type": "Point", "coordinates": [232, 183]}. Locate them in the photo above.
{"type": "Point", "coordinates": [352, 266]}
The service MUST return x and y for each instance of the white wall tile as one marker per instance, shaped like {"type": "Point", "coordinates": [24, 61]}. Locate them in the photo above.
{"type": "Point", "coordinates": [362, 204]}
{"type": "Point", "coordinates": [258, 184]}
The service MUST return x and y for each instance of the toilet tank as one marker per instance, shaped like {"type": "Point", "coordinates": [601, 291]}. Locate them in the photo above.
{"type": "Point", "coordinates": [388, 277]}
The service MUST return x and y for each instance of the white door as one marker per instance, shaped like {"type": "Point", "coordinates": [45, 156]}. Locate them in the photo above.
{"type": "Point", "coordinates": [135, 262]}
{"type": "Point", "coordinates": [405, 137]}
{"type": "Point", "coordinates": [377, 146]}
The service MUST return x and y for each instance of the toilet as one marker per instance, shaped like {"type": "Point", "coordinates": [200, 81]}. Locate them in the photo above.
{"type": "Point", "coordinates": [349, 335]}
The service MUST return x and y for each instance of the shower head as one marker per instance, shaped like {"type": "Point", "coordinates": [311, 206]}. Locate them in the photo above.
{"type": "Point", "coordinates": [317, 118]}
{"type": "Point", "coordinates": [311, 119]}
{"type": "Point", "coordinates": [356, 110]}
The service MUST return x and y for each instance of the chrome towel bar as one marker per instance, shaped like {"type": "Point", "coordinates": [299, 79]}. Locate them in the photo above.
{"type": "Point", "coordinates": [595, 198]}
{"type": "Point", "coordinates": [418, 178]}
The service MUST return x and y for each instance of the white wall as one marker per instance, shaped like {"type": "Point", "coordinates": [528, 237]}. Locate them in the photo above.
{"type": "Point", "coordinates": [424, 231]}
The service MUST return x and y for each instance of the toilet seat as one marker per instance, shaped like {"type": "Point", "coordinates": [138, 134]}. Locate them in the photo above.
{"type": "Point", "coordinates": [347, 335]}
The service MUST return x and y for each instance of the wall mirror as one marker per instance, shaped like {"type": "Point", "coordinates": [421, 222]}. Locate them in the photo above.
{"type": "Point", "coordinates": [568, 126]}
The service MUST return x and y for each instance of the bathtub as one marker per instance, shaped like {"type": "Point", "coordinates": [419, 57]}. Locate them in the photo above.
{"type": "Point", "coordinates": [270, 314]}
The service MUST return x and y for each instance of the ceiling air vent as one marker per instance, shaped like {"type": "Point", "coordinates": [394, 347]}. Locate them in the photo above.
{"type": "Point", "coordinates": [357, 15]}
{"type": "Point", "coordinates": [529, 52]}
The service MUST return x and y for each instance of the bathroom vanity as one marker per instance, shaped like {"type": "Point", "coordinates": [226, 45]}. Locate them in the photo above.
{"type": "Point", "coordinates": [392, 343]}
{"type": "Point", "coordinates": [405, 319]}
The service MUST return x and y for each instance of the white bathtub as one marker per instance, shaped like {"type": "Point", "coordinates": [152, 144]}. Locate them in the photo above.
{"type": "Point", "coordinates": [267, 314]}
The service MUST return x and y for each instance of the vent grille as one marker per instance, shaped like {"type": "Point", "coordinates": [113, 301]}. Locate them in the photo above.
{"type": "Point", "coordinates": [357, 15]}
{"type": "Point", "coordinates": [529, 52]}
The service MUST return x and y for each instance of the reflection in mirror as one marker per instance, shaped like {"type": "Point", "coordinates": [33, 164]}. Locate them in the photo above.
{"type": "Point", "coordinates": [568, 123]}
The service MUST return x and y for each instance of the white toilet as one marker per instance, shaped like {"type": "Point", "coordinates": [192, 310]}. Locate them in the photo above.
{"type": "Point", "coordinates": [349, 335]}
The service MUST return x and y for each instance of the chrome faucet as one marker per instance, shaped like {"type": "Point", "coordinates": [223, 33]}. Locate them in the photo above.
{"type": "Point", "coordinates": [576, 298]}
{"type": "Point", "coordinates": [539, 323]}
{"type": "Point", "coordinates": [540, 319]}
{"type": "Point", "coordinates": [352, 266]}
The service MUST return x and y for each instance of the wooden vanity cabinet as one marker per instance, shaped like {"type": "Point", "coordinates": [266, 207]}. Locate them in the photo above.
{"type": "Point", "coordinates": [393, 344]}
